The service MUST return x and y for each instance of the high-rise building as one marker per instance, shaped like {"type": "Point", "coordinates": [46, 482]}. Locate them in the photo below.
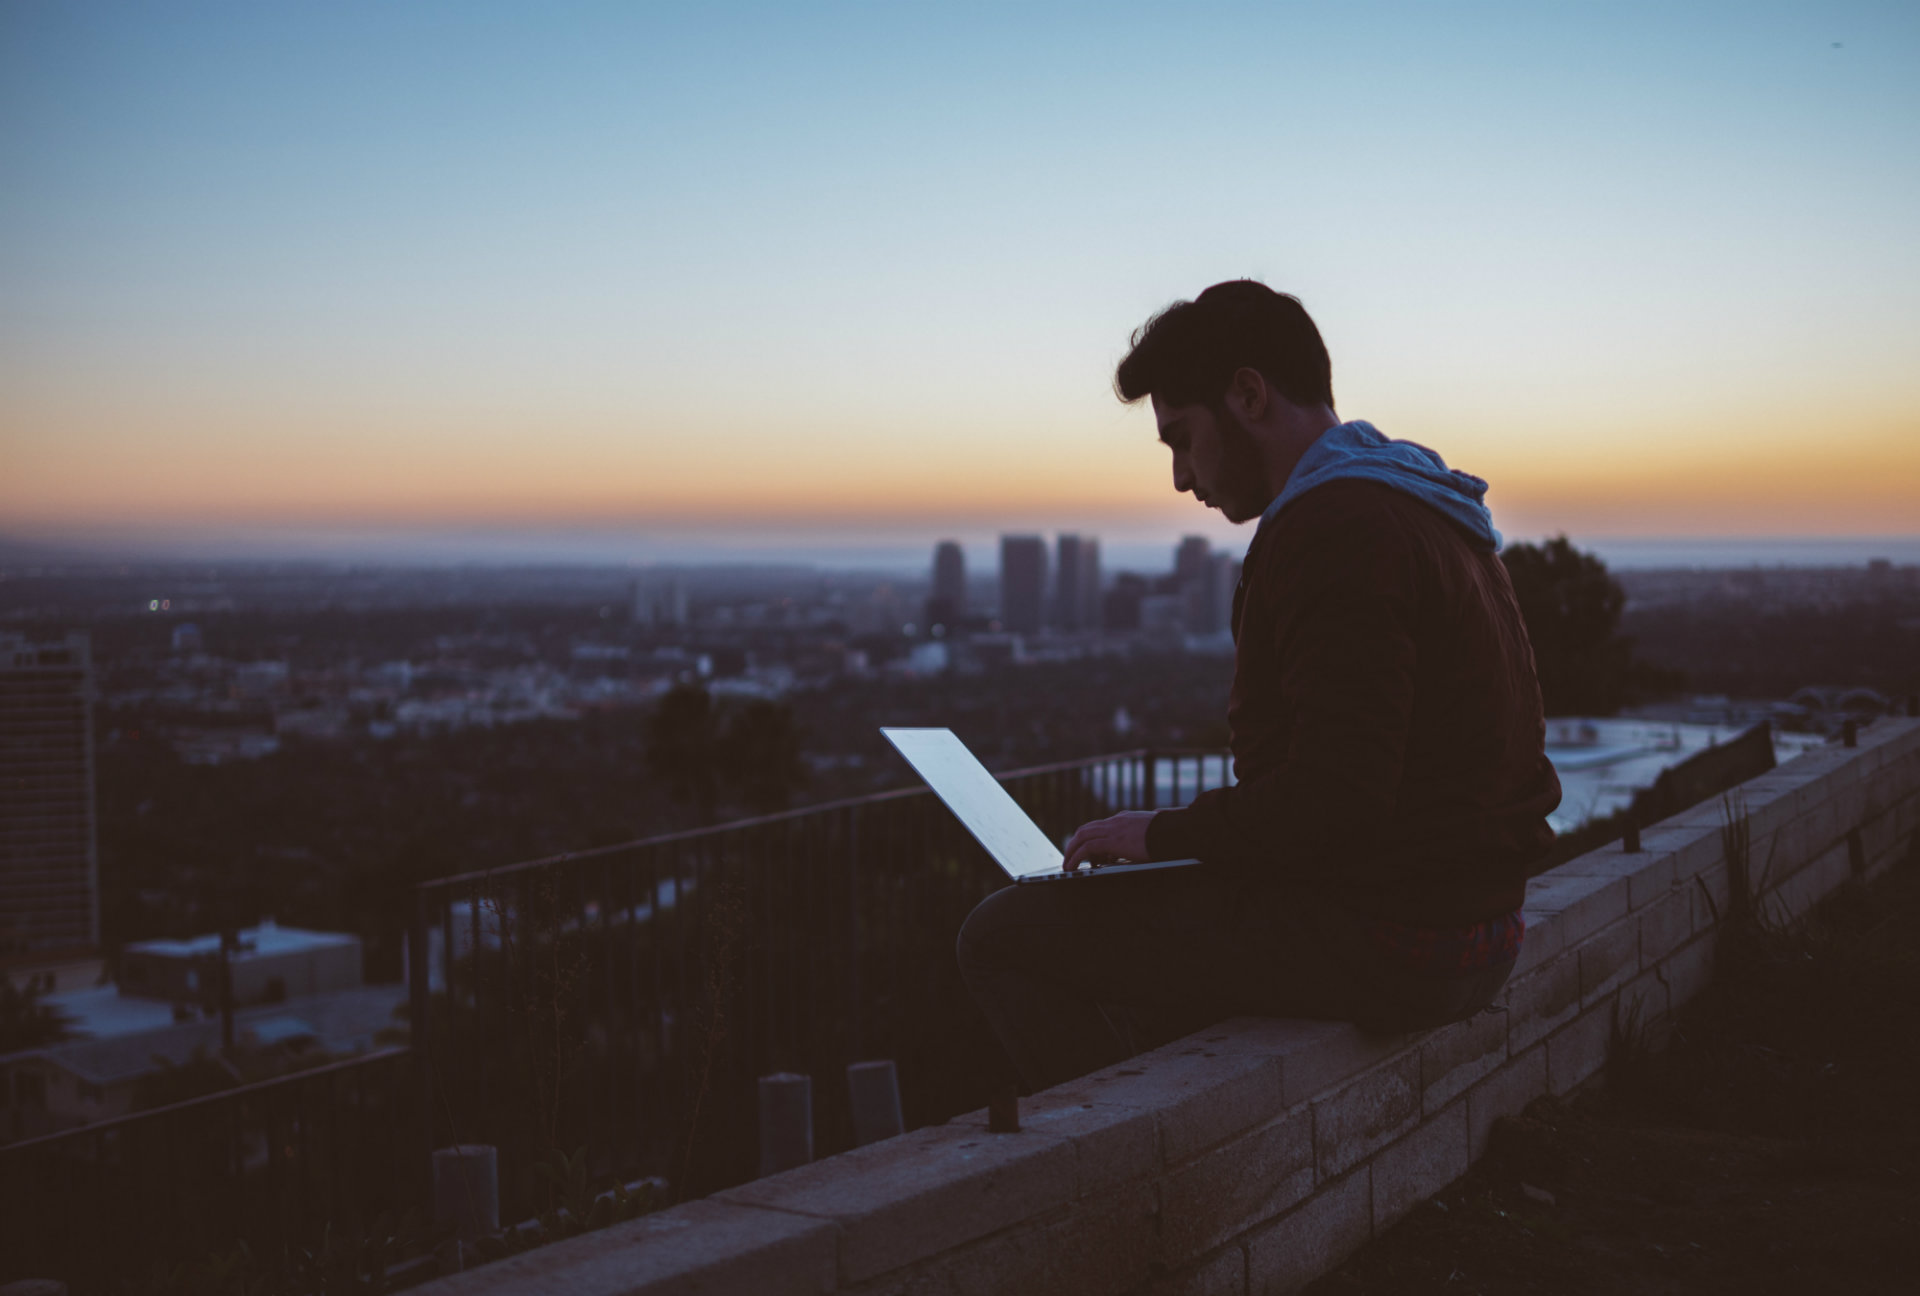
{"type": "Point", "coordinates": [1023, 583]}
{"type": "Point", "coordinates": [1193, 581]}
{"type": "Point", "coordinates": [1076, 585]}
{"type": "Point", "coordinates": [1092, 583]}
{"type": "Point", "coordinates": [1223, 577]}
{"type": "Point", "coordinates": [1190, 558]}
{"type": "Point", "coordinates": [658, 604]}
{"type": "Point", "coordinates": [1120, 606]}
{"type": "Point", "coordinates": [948, 602]}
{"type": "Point", "coordinates": [49, 862]}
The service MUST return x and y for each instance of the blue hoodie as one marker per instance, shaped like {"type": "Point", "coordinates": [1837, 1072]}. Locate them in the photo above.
{"type": "Point", "coordinates": [1358, 450]}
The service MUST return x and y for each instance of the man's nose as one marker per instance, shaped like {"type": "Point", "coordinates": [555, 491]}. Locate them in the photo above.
{"type": "Point", "coordinates": [1182, 473]}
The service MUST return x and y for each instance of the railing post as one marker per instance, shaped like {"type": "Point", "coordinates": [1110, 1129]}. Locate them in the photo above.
{"type": "Point", "coordinates": [786, 1122]}
{"type": "Point", "coordinates": [873, 1092]}
{"type": "Point", "coordinates": [1151, 760]}
{"type": "Point", "coordinates": [466, 1194]}
{"type": "Point", "coordinates": [1003, 1112]}
{"type": "Point", "coordinates": [855, 1013]}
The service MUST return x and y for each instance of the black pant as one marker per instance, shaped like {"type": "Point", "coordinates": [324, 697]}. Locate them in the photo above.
{"type": "Point", "coordinates": [1077, 975]}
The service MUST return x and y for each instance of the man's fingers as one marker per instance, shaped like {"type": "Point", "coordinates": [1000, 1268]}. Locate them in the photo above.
{"type": "Point", "coordinates": [1121, 836]}
{"type": "Point", "coordinates": [1084, 845]}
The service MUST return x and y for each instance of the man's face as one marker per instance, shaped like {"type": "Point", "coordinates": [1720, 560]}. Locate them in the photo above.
{"type": "Point", "coordinates": [1215, 458]}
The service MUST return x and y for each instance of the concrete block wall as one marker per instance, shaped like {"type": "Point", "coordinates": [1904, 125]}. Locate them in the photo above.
{"type": "Point", "coordinates": [1257, 1154]}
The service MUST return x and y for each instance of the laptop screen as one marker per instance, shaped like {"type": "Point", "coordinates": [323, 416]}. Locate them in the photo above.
{"type": "Point", "coordinates": [977, 800]}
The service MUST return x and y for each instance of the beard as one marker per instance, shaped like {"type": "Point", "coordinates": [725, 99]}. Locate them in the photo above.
{"type": "Point", "coordinates": [1243, 493]}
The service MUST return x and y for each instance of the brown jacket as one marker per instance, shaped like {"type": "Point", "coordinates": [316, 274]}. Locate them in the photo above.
{"type": "Point", "coordinates": [1388, 737]}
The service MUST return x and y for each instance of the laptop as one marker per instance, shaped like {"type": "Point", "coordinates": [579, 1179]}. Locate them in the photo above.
{"type": "Point", "coordinates": [979, 802]}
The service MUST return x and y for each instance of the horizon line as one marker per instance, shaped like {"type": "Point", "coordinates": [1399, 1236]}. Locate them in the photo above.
{"type": "Point", "coordinates": [1130, 549]}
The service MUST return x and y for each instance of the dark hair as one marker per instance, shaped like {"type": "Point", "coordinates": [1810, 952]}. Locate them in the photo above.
{"type": "Point", "coordinates": [1189, 352]}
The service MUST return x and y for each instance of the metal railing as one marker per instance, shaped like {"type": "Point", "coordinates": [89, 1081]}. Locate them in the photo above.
{"type": "Point", "coordinates": [272, 1164]}
{"type": "Point", "coordinates": [624, 1000]}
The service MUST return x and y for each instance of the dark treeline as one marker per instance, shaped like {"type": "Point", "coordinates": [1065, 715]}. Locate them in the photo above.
{"type": "Point", "coordinates": [1597, 652]}
{"type": "Point", "coordinates": [1726, 646]}
{"type": "Point", "coordinates": [331, 835]}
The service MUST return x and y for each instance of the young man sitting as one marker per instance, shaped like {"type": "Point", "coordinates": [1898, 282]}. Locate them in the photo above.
{"type": "Point", "coordinates": [1370, 862]}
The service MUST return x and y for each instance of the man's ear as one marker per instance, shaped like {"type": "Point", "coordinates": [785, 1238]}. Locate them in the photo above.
{"type": "Point", "coordinates": [1247, 394]}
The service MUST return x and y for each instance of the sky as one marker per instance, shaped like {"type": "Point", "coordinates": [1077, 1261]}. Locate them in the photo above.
{"type": "Point", "coordinates": [637, 280]}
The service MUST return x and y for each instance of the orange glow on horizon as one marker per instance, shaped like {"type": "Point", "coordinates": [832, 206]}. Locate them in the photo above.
{"type": "Point", "coordinates": [1096, 470]}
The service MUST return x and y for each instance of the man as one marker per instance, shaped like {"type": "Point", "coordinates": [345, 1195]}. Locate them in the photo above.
{"type": "Point", "coordinates": [1370, 863]}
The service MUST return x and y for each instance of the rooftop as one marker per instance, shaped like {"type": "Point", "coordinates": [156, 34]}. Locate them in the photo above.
{"type": "Point", "coordinates": [255, 942]}
{"type": "Point", "coordinates": [342, 1021]}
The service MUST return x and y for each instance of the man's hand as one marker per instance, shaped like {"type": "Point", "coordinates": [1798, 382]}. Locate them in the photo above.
{"type": "Point", "coordinates": [1123, 837]}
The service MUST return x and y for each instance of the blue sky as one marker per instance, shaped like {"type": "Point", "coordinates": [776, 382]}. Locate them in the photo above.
{"type": "Point", "coordinates": [847, 273]}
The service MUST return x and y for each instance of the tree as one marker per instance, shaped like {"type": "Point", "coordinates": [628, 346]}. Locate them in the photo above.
{"type": "Point", "coordinates": [695, 748]}
{"type": "Point", "coordinates": [759, 755]}
{"type": "Point", "coordinates": [682, 747]}
{"type": "Point", "coordinates": [1572, 609]}
{"type": "Point", "coordinates": [25, 1022]}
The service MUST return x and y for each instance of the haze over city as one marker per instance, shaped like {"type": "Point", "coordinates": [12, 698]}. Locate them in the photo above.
{"type": "Point", "coordinates": [446, 281]}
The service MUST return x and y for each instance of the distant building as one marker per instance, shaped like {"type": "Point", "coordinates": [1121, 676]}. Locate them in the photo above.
{"type": "Point", "coordinates": [1211, 613]}
{"type": "Point", "coordinates": [1076, 601]}
{"type": "Point", "coordinates": [1090, 583]}
{"type": "Point", "coordinates": [270, 963]}
{"type": "Point", "coordinates": [928, 658]}
{"type": "Point", "coordinates": [261, 679]}
{"type": "Point", "coordinates": [1120, 606]}
{"type": "Point", "coordinates": [656, 604]}
{"type": "Point", "coordinates": [1190, 560]}
{"type": "Point", "coordinates": [1163, 612]}
{"type": "Point", "coordinates": [1204, 581]}
{"type": "Point", "coordinates": [948, 602]}
{"type": "Point", "coordinates": [49, 860]}
{"type": "Point", "coordinates": [293, 990]}
{"type": "Point", "coordinates": [881, 612]}
{"type": "Point", "coordinates": [223, 746]}
{"type": "Point", "coordinates": [1023, 583]}
{"type": "Point", "coordinates": [86, 1080]}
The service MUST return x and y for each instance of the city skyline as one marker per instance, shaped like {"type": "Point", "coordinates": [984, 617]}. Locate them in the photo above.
{"type": "Point", "coordinates": [365, 280]}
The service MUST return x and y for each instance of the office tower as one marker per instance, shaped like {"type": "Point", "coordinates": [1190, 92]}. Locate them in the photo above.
{"type": "Point", "coordinates": [1190, 559]}
{"type": "Point", "coordinates": [49, 864]}
{"type": "Point", "coordinates": [948, 602]}
{"type": "Point", "coordinates": [1089, 583]}
{"type": "Point", "coordinates": [1023, 583]}
{"type": "Point", "coordinates": [1076, 584]}
{"type": "Point", "coordinates": [1066, 582]}
{"type": "Point", "coordinates": [655, 604]}
{"type": "Point", "coordinates": [1193, 581]}
{"type": "Point", "coordinates": [1223, 577]}
{"type": "Point", "coordinates": [1120, 608]}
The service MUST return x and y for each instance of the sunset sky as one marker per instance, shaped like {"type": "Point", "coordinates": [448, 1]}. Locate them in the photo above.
{"type": "Point", "coordinates": [279, 277]}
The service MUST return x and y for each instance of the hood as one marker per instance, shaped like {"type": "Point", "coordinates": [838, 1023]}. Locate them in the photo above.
{"type": "Point", "coordinates": [1358, 450]}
